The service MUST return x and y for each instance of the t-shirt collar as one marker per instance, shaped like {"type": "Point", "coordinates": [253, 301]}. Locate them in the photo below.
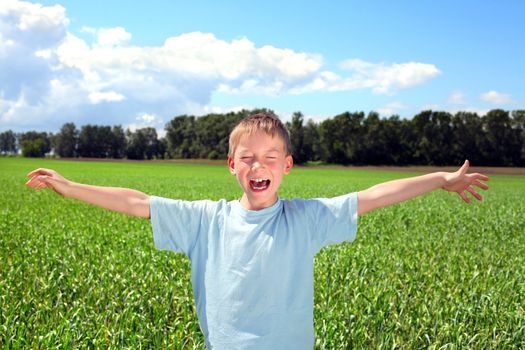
{"type": "Point", "coordinates": [237, 206]}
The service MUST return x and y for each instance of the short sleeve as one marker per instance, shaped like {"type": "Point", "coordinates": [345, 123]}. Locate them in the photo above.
{"type": "Point", "coordinates": [176, 224]}
{"type": "Point", "coordinates": [334, 220]}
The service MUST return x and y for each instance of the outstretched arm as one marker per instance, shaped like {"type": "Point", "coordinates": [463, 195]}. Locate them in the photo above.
{"type": "Point", "coordinates": [397, 191]}
{"type": "Point", "coordinates": [122, 200]}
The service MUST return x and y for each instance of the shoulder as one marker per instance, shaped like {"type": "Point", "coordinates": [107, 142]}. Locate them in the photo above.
{"type": "Point", "coordinates": [313, 206]}
{"type": "Point", "coordinates": [316, 202]}
{"type": "Point", "coordinates": [300, 206]}
{"type": "Point", "coordinates": [169, 204]}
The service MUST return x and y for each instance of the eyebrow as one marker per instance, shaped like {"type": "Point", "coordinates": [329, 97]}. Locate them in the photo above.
{"type": "Point", "coordinates": [248, 151]}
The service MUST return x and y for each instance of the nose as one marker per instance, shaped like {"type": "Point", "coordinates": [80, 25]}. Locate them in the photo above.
{"type": "Point", "coordinates": [256, 164]}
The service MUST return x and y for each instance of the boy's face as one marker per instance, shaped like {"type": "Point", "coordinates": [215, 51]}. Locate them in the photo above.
{"type": "Point", "coordinates": [259, 163]}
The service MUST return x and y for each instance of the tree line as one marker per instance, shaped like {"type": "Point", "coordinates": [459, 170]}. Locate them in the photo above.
{"type": "Point", "coordinates": [429, 138]}
{"type": "Point", "coordinates": [91, 141]}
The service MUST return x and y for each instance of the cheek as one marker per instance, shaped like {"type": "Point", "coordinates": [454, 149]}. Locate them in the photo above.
{"type": "Point", "coordinates": [241, 169]}
{"type": "Point", "coordinates": [278, 170]}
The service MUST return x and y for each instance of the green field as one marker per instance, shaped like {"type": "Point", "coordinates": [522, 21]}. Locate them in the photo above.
{"type": "Point", "coordinates": [430, 273]}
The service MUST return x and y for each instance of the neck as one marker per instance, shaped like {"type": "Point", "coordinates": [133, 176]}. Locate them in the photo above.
{"type": "Point", "coordinates": [253, 205]}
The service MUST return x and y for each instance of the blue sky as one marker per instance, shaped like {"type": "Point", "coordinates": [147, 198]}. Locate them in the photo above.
{"type": "Point", "coordinates": [140, 64]}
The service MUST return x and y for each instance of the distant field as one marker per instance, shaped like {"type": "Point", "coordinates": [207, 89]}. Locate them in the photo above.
{"type": "Point", "coordinates": [408, 168]}
{"type": "Point", "coordinates": [430, 273]}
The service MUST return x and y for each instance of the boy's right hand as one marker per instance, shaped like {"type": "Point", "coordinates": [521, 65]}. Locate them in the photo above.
{"type": "Point", "coordinates": [42, 178]}
{"type": "Point", "coordinates": [122, 200]}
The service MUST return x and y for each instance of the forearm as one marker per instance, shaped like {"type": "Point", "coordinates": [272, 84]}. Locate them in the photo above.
{"type": "Point", "coordinates": [397, 191]}
{"type": "Point", "coordinates": [122, 200]}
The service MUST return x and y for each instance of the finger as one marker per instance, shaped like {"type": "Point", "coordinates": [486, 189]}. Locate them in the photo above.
{"type": "Point", "coordinates": [32, 182]}
{"type": "Point", "coordinates": [480, 176]}
{"type": "Point", "coordinates": [474, 193]}
{"type": "Point", "coordinates": [40, 171]}
{"type": "Point", "coordinates": [34, 172]}
{"type": "Point", "coordinates": [480, 185]}
{"type": "Point", "coordinates": [41, 179]}
{"type": "Point", "coordinates": [464, 167]}
{"type": "Point", "coordinates": [464, 197]}
{"type": "Point", "coordinates": [41, 186]}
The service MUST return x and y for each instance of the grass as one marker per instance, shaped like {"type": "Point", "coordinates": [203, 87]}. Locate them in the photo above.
{"type": "Point", "coordinates": [429, 273]}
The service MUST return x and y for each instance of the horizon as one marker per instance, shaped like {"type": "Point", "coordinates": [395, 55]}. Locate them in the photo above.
{"type": "Point", "coordinates": [161, 131]}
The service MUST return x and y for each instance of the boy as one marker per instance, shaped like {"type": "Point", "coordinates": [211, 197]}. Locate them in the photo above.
{"type": "Point", "coordinates": [252, 259]}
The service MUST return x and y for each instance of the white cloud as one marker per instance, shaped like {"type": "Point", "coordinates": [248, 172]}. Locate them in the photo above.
{"type": "Point", "coordinates": [223, 110]}
{"type": "Point", "coordinates": [33, 24]}
{"type": "Point", "coordinates": [380, 77]}
{"type": "Point", "coordinates": [109, 96]}
{"type": "Point", "coordinates": [28, 16]}
{"type": "Point", "coordinates": [457, 98]}
{"type": "Point", "coordinates": [108, 37]}
{"type": "Point", "coordinates": [144, 120]}
{"type": "Point", "coordinates": [29, 33]}
{"type": "Point", "coordinates": [386, 78]}
{"type": "Point", "coordinates": [316, 118]}
{"type": "Point", "coordinates": [113, 36]}
{"type": "Point", "coordinates": [328, 81]}
{"type": "Point", "coordinates": [44, 53]}
{"type": "Point", "coordinates": [480, 111]}
{"type": "Point", "coordinates": [90, 30]}
{"type": "Point", "coordinates": [147, 118]}
{"type": "Point", "coordinates": [392, 108]}
{"type": "Point", "coordinates": [189, 59]}
{"type": "Point", "coordinates": [496, 97]}
{"type": "Point", "coordinates": [431, 106]}
{"type": "Point", "coordinates": [53, 76]}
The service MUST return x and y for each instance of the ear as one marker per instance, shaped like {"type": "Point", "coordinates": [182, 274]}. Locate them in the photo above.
{"type": "Point", "coordinates": [231, 166]}
{"type": "Point", "coordinates": [289, 164]}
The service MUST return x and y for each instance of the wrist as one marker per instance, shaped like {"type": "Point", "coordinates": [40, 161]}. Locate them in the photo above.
{"type": "Point", "coordinates": [69, 189]}
{"type": "Point", "coordinates": [446, 177]}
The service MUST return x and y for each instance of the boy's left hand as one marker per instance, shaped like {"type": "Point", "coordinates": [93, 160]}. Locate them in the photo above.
{"type": "Point", "coordinates": [460, 182]}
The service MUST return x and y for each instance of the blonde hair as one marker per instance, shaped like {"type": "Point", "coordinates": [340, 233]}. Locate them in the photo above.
{"type": "Point", "coordinates": [268, 123]}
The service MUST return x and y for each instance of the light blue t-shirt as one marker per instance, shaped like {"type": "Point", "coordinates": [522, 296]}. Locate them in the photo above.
{"type": "Point", "coordinates": [252, 271]}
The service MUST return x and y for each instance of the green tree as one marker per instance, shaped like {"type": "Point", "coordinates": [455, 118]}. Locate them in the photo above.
{"type": "Point", "coordinates": [386, 141]}
{"type": "Point", "coordinates": [401, 140]}
{"type": "Point", "coordinates": [212, 133]}
{"type": "Point", "coordinates": [35, 144]}
{"type": "Point", "coordinates": [518, 124]}
{"type": "Point", "coordinates": [434, 132]}
{"type": "Point", "coordinates": [466, 139]}
{"type": "Point", "coordinates": [142, 144]}
{"type": "Point", "coordinates": [333, 150]}
{"type": "Point", "coordinates": [8, 142]}
{"type": "Point", "coordinates": [311, 142]}
{"type": "Point", "coordinates": [341, 138]}
{"type": "Point", "coordinates": [94, 141]}
{"type": "Point", "coordinates": [296, 129]}
{"type": "Point", "coordinates": [67, 141]}
{"type": "Point", "coordinates": [118, 142]}
{"type": "Point", "coordinates": [375, 148]}
{"type": "Point", "coordinates": [501, 146]}
{"type": "Point", "coordinates": [162, 150]}
{"type": "Point", "coordinates": [180, 133]}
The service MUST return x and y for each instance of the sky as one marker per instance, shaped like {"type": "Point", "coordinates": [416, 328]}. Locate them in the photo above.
{"type": "Point", "coordinates": [139, 64]}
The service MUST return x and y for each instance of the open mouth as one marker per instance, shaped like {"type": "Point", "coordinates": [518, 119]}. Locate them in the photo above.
{"type": "Point", "coordinates": [259, 185]}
